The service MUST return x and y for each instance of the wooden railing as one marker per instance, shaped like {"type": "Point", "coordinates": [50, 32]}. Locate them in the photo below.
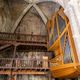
{"type": "Point", "coordinates": [30, 38]}
{"type": "Point", "coordinates": [6, 63]}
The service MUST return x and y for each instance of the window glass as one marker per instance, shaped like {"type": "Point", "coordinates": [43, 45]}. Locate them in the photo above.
{"type": "Point", "coordinates": [51, 36]}
{"type": "Point", "coordinates": [61, 23]}
{"type": "Point", "coordinates": [51, 55]}
{"type": "Point", "coordinates": [62, 42]}
{"type": "Point", "coordinates": [55, 30]}
{"type": "Point", "coordinates": [67, 53]}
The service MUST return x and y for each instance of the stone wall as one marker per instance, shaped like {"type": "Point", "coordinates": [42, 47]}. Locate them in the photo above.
{"type": "Point", "coordinates": [5, 17]}
{"type": "Point", "coordinates": [16, 7]}
{"type": "Point", "coordinates": [32, 23]}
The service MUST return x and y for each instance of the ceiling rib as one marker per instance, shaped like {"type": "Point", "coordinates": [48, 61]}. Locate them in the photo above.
{"type": "Point", "coordinates": [40, 13]}
{"type": "Point", "coordinates": [20, 17]}
{"type": "Point", "coordinates": [33, 3]}
{"type": "Point", "coordinates": [25, 11]}
{"type": "Point", "coordinates": [5, 46]}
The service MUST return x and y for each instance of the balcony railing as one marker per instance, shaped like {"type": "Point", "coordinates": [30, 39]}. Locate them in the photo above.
{"type": "Point", "coordinates": [30, 38]}
{"type": "Point", "coordinates": [17, 63]}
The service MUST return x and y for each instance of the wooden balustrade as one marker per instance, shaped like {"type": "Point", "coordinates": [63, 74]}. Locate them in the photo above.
{"type": "Point", "coordinates": [5, 63]}
{"type": "Point", "coordinates": [23, 37]}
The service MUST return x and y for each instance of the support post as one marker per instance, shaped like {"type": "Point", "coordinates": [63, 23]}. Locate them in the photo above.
{"type": "Point", "coordinates": [15, 77]}
{"type": "Point", "coordinates": [14, 54]}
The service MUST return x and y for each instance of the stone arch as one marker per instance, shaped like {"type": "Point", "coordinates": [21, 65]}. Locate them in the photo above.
{"type": "Point", "coordinates": [37, 8]}
{"type": "Point", "coordinates": [31, 23]}
{"type": "Point", "coordinates": [61, 2]}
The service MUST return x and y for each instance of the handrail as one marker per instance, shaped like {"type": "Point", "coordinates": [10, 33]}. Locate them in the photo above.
{"type": "Point", "coordinates": [18, 63]}
{"type": "Point", "coordinates": [21, 34]}
{"type": "Point", "coordinates": [22, 37]}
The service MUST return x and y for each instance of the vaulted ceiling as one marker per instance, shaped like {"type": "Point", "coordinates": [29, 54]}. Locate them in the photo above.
{"type": "Point", "coordinates": [17, 10]}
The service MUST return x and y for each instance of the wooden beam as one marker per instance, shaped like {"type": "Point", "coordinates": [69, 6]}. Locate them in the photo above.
{"type": "Point", "coordinates": [30, 72]}
{"type": "Point", "coordinates": [5, 72]}
{"type": "Point", "coordinates": [24, 72]}
{"type": "Point", "coordinates": [14, 54]}
{"type": "Point", "coordinates": [5, 46]}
